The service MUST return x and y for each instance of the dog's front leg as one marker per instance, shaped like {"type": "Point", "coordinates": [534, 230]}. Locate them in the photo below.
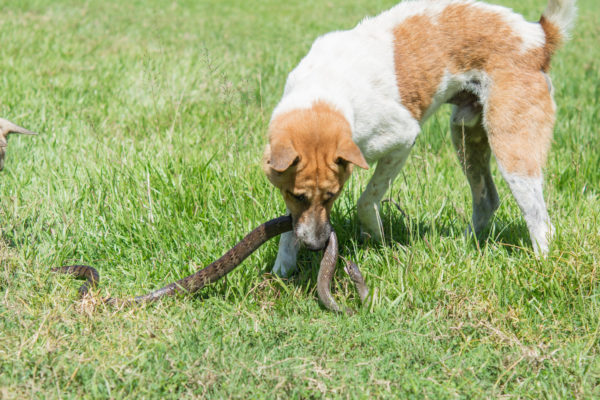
{"type": "Point", "coordinates": [387, 169]}
{"type": "Point", "coordinates": [285, 264]}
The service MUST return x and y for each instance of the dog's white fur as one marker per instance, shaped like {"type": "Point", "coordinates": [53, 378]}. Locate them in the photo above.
{"type": "Point", "coordinates": [561, 13]}
{"type": "Point", "coordinates": [354, 71]}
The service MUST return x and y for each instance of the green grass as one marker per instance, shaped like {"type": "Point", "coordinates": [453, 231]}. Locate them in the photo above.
{"type": "Point", "coordinates": [153, 117]}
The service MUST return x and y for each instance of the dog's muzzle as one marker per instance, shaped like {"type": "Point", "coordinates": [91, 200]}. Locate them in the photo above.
{"type": "Point", "coordinates": [313, 236]}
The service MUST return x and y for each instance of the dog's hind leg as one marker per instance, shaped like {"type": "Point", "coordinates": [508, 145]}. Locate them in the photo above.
{"type": "Point", "coordinates": [368, 205]}
{"type": "Point", "coordinates": [473, 150]}
{"type": "Point", "coordinates": [520, 131]}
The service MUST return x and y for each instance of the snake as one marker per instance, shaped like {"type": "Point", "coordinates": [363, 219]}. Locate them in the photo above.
{"type": "Point", "coordinates": [229, 261]}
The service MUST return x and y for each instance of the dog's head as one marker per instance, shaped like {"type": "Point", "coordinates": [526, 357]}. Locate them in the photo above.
{"type": "Point", "coordinates": [6, 128]}
{"type": "Point", "coordinates": [309, 158]}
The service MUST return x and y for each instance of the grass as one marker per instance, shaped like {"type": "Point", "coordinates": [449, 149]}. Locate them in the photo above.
{"type": "Point", "coordinates": [153, 117]}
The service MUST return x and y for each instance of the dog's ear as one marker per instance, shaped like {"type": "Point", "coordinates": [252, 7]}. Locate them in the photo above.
{"type": "Point", "coordinates": [348, 151]}
{"type": "Point", "coordinates": [281, 154]}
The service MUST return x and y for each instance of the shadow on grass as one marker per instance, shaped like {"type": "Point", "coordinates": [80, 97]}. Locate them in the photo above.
{"type": "Point", "coordinates": [513, 236]}
{"type": "Point", "coordinates": [400, 228]}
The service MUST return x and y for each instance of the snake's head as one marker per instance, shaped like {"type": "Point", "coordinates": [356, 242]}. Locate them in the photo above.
{"type": "Point", "coordinates": [6, 128]}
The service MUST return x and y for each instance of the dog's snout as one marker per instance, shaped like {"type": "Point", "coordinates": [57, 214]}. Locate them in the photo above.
{"type": "Point", "coordinates": [313, 235]}
{"type": "Point", "coordinates": [316, 245]}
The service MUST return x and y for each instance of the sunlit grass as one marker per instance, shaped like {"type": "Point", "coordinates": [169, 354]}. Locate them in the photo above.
{"type": "Point", "coordinates": [152, 118]}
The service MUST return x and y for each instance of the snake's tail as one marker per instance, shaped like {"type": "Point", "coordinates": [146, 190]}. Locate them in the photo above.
{"type": "Point", "coordinates": [198, 280]}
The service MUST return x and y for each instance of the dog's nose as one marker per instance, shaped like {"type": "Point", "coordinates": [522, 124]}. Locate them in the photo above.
{"type": "Point", "coordinates": [314, 239]}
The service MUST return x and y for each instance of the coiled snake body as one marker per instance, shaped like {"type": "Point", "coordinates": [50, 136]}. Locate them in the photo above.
{"type": "Point", "coordinates": [228, 262]}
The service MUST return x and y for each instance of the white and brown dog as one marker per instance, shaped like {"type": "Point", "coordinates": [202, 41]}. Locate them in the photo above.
{"type": "Point", "coordinates": [360, 96]}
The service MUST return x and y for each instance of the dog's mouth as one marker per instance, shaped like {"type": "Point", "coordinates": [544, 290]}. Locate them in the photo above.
{"type": "Point", "coordinates": [313, 237]}
{"type": "Point", "coordinates": [314, 248]}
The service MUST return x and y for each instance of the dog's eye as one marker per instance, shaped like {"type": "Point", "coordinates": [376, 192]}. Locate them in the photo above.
{"type": "Point", "coordinates": [329, 196]}
{"type": "Point", "coordinates": [299, 197]}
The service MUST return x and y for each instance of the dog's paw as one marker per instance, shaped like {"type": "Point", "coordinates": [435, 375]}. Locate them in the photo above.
{"type": "Point", "coordinates": [541, 241]}
{"type": "Point", "coordinates": [370, 223]}
{"type": "Point", "coordinates": [284, 266]}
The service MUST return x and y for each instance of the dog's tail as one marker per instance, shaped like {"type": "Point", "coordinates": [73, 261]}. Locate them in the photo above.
{"type": "Point", "coordinates": [557, 21]}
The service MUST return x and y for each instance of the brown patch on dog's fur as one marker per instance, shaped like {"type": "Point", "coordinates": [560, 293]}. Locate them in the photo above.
{"type": "Point", "coordinates": [519, 128]}
{"type": "Point", "coordinates": [461, 38]}
{"type": "Point", "coordinates": [318, 141]}
{"type": "Point", "coordinates": [553, 41]}
{"type": "Point", "coordinates": [464, 38]}
{"type": "Point", "coordinates": [419, 62]}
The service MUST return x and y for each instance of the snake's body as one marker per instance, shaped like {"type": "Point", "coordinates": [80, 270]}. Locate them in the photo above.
{"type": "Point", "coordinates": [228, 262]}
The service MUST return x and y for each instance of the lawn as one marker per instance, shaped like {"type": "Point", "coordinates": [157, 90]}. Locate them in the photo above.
{"type": "Point", "coordinates": [153, 118]}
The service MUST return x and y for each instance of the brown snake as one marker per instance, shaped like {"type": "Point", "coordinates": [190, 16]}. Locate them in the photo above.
{"type": "Point", "coordinates": [228, 262]}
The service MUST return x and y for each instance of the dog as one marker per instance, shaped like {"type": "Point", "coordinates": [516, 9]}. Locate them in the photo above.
{"type": "Point", "coordinates": [6, 128]}
{"type": "Point", "coordinates": [360, 96]}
